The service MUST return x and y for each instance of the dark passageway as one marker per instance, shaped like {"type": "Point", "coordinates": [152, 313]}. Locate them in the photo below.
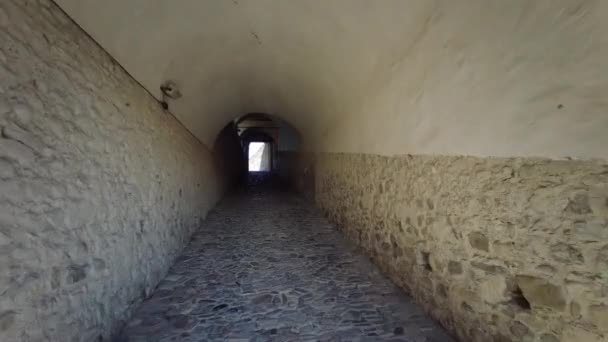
{"type": "Point", "coordinates": [266, 266]}
{"type": "Point", "coordinates": [451, 151]}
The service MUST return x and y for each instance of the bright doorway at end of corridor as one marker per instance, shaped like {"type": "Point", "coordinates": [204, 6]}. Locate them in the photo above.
{"type": "Point", "coordinates": [259, 156]}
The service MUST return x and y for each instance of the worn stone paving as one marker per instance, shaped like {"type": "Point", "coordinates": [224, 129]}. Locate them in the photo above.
{"type": "Point", "coordinates": [266, 266]}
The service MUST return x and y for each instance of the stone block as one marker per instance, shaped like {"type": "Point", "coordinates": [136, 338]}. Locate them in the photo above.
{"type": "Point", "coordinates": [454, 267]}
{"type": "Point", "coordinates": [479, 241]}
{"type": "Point", "coordinates": [16, 151]}
{"type": "Point", "coordinates": [598, 315]}
{"type": "Point", "coordinates": [540, 292]}
{"type": "Point", "coordinates": [579, 204]}
{"type": "Point", "coordinates": [519, 330]}
{"type": "Point", "coordinates": [548, 338]}
{"type": "Point", "coordinates": [567, 254]}
{"type": "Point", "coordinates": [493, 289]}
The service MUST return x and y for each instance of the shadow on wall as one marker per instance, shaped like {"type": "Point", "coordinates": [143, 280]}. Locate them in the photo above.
{"type": "Point", "coordinates": [298, 170]}
{"type": "Point", "coordinates": [229, 155]}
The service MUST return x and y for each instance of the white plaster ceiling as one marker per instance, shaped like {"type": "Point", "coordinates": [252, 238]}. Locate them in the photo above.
{"type": "Point", "coordinates": [498, 78]}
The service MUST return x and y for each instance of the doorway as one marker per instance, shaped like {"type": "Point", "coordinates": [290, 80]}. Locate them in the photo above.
{"type": "Point", "coordinates": [260, 154]}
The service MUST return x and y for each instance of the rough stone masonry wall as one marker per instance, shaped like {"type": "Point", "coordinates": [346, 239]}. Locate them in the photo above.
{"type": "Point", "coordinates": [495, 249]}
{"type": "Point", "coordinates": [99, 188]}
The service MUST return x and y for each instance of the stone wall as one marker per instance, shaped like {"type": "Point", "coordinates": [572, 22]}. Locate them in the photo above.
{"type": "Point", "coordinates": [99, 187]}
{"type": "Point", "coordinates": [495, 249]}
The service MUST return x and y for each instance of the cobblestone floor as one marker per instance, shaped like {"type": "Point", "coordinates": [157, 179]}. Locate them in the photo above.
{"type": "Point", "coordinates": [266, 266]}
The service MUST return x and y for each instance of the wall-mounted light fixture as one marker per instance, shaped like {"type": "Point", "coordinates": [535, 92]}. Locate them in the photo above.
{"type": "Point", "coordinates": [169, 90]}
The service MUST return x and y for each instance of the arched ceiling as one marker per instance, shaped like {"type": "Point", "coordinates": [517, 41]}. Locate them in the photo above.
{"type": "Point", "coordinates": [498, 78]}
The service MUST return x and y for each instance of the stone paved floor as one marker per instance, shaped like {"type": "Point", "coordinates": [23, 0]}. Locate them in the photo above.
{"type": "Point", "coordinates": [266, 266]}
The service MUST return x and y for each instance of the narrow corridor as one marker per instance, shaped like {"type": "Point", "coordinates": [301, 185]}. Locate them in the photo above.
{"type": "Point", "coordinates": [266, 266]}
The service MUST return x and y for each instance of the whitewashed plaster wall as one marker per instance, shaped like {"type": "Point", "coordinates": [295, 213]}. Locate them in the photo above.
{"type": "Point", "coordinates": [484, 78]}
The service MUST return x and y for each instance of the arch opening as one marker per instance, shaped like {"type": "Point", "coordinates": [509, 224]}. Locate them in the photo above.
{"type": "Point", "coordinates": [257, 143]}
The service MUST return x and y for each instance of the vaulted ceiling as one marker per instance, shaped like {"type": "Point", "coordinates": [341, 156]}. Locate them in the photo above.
{"type": "Point", "coordinates": [498, 78]}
